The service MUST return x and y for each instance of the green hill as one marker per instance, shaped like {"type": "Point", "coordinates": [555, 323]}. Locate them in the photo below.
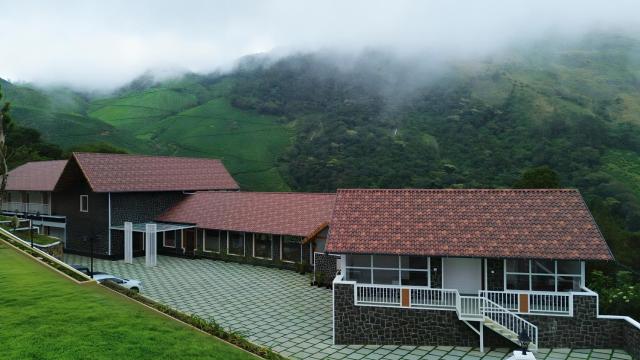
{"type": "Point", "coordinates": [311, 122]}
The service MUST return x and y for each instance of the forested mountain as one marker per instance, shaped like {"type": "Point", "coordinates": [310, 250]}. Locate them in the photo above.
{"type": "Point", "coordinates": [321, 121]}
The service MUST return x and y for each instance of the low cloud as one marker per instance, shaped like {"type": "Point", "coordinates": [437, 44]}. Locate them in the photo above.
{"type": "Point", "coordinates": [103, 44]}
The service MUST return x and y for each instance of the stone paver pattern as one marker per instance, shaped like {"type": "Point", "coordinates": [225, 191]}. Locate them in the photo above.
{"type": "Point", "coordinates": [278, 309]}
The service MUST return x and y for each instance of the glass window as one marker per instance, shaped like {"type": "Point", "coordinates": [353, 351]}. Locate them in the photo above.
{"type": "Point", "coordinates": [543, 267]}
{"type": "Point", "coordinates": [543, 283]}
{"type": "Point", "coordinates": [236, 243]}
{"type": "Point", "coordinates": [212, 240]}
{"type": "Point", "coordinates": [262, 246]}
{"type": "Point", "coordinates": [569, 267]}
{"type": "Point", "coordinates": [517, 266]}
{"type": "Point", "coordinates": [414, 262]}
{"type": "Point", "coordinates": [359, 260]}
{"type": "Point", "coordinates": [291, 250]}
{"type": "Point", "coordinates": [386, 277]}
{"type": "Point", "coordinates": [415, 278]}
{"type": "Point", "coordinates": [359, 275]}
{"type": "Point", "coordinates": [568, 283]}
{"type": "Point", "coordinates": [169, 239]}
{"type": "Point", "coordinates": [517, 282]}
{"type": "Point", "coordinates": [385, 261]}
{"type": "Point", "coordinates": [84, 203]}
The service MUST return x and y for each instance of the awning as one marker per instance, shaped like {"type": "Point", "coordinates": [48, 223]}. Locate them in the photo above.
{"type": "Point", "coordinates": [160, 227]}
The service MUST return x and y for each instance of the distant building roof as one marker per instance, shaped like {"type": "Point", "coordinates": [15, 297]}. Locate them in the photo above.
{"type": "Point", "coordinates": [36, 176]}
{"type": "Point", "coordinates": [131, 173]}
{"type": "Point", "coordinates": [544, 224]}
{"type": "Point", "coordinates": [261, 212]}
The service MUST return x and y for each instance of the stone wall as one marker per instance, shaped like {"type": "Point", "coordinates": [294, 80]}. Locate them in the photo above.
{"type": "Point", "coordinates": [327, 265]}
{"type": "Point", "coordinates": [402, 326]}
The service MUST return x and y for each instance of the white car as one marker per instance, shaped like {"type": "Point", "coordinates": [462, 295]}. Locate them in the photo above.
{"type": "Point", "coordinates": [134, 285]}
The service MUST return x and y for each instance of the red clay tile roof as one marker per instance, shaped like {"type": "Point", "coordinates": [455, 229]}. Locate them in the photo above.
{"type": "Point", "coordinates": [261, 212]}
{"type": "Point", "coordinates": [36, 176]}
{"type": "Point", "coordinates": [129, 173]}
{"type": "Point", "coordinates": [544, 224]}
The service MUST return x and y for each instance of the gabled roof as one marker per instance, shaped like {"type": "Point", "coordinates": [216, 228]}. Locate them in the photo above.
{"type": "Point", "coordinates": [132, 173]}
{"type": "Point", "coordinates": [36, 176]}
{"type": "Point", "coordinates": [296, 214]}
{"type": "Point", "coordinates": [543, 224]}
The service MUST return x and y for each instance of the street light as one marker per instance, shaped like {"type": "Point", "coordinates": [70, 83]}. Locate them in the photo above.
{"type": "Point", "coordinates": [524, 340]}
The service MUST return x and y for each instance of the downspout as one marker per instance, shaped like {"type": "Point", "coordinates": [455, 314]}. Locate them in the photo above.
{"type": "Point", "coordinates": [109, 229]}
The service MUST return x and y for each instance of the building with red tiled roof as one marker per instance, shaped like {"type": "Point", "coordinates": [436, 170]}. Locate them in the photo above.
{"type": "Point", "coordinates": [266, 225]}
{"type": "Point", "coordinates": [437, 267]}
{"type": "Point", "coordinates": [28, 192]}
{"type": "Point", "coordinates": [91, 195]}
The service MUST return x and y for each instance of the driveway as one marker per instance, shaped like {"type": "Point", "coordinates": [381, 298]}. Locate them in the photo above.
{"type": "Point", "coordinates": [278, 309]}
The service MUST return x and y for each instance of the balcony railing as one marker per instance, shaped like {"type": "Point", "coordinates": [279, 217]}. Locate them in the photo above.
{"type": "Point", "coordinates": [34, 208]}
{"type": "Point", "coordinates": [532, 302]}
{"type": "Point", "coordinates": [367, 294]}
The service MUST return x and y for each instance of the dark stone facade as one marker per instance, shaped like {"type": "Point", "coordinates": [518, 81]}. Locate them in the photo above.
{"type": "Point", "coordinates": [327, 265]}
{"type": "Point", "coordinates": [401, 326]}
{"type": "Point", "coordinates": [140, 207]}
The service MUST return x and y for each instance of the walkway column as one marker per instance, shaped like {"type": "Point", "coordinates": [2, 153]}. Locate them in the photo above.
{"type": "Point", "coordinates": [150, 245]}
{"type": "Point", "coordinates": [128, 243]}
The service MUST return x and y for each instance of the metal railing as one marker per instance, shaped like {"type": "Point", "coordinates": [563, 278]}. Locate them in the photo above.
{"type": "Point", "coordinates": [538, 302]}
{"type": "Point", "coordinates": [17, 206]}
{"type": "Point", "coordinates": [377, 294]}
{"type": "Point", "coordinates": [469, 306]}
{"type": "Point", "coordinates": [432, 298]}
{"type": "Point", "coordinates": [508, 320]}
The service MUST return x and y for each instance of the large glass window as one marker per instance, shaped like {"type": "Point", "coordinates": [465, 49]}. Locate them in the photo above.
{"type": "Point", "coordinates": [169, 239]}
{"type": "Point", "coordinates": [388, 269]}
{"type": "Point", "coordinates": [235, 243]}
{"type": "Point", "coordinates": [543, 275]}
{"type": "Point", "coordinates": [262, 246]}
{"type": "Point", "coordinates": [291, 248]}
{"type": "Point", "coordinates": [212, 240]}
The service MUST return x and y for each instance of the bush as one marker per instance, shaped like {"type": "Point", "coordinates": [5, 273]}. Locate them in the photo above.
{"type": "Point", "coordinates": [619, 295]}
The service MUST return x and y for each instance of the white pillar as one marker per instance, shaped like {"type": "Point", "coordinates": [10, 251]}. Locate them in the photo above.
{"type": "Point", "coordinates": [151, 244]}
{"type": "Point", "coordinates": [128, 242]}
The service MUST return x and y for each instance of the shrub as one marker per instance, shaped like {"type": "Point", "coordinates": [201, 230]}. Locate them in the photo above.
{"type": "Point", "coordinates": [619, 295]}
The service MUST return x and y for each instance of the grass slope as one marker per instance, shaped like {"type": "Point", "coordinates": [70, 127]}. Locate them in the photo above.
{"type": "Point", "coordinates": [187, 119]}
{"type": "Point", "coordinates": [45, 316]}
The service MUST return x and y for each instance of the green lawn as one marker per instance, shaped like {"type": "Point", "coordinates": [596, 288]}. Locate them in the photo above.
{"type": "Point", "coordinates": [45, 316]}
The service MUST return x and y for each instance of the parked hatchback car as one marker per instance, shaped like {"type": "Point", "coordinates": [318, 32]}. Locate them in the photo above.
{"type": "Point", "coordinates": [134, 285]}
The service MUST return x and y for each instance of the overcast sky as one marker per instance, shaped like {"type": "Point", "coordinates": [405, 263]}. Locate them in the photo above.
{"type": "Point", "coordinates": [102, 44]}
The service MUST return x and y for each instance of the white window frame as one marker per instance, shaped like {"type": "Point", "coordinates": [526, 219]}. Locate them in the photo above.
{"type": "Point", "coordinates": [204, 241]}
{"type": "Point", "coordinates": [244, 243]}
{"type": "Point", "coordinates": [531, 274]}
{"type": "Point", "coordinates": [281, 247]}
{"type": "Point", "coordinates": [253, 251]}
{"type": "Point", "coordinates": [84, 197]}
{"type": "Point", "coordinates": [400, 269]}
{"type": "Point", "coordinates": [164, 239]}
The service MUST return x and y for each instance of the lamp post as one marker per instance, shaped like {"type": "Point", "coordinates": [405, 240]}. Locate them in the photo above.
{"type": "Point", "coordinates": [524, 340]}
{"type": "Point", "coordinates": [31, 232]}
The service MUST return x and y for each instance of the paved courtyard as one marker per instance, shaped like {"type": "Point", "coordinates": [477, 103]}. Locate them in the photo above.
{"type": "Point", "coordinates": [278, 309]}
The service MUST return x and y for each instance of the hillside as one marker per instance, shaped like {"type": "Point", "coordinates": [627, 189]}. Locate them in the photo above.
{"type": "Point", "coordinates": [317, 122]}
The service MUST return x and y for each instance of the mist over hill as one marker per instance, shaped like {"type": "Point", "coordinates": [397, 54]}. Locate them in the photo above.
{"type": "Point", "coordinates": [317, 121]}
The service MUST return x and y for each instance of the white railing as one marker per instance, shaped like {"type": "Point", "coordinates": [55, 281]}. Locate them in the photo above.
{"type": "Point", "coordinates": [367, 294]}
{"type": "Point", "coordinates": [432, 298]}
{"type": "Point", "coordinates": [26, 207]}
{"type": "Point", "coordinates": [508, 320]}
{"type": "Point", "coordinates": [469, 306]}
{"type": "Point", "coordinates": [539, 302]}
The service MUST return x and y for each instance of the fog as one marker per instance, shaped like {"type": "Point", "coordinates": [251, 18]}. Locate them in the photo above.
{"type": "Point", "coordinates": [103, 44]}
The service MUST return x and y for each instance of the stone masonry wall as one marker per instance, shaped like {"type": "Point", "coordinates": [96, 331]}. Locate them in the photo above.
{"type": "Point", "coordinates": [401, 326]}
{"type": "Point", "coordinates": [327, 265]}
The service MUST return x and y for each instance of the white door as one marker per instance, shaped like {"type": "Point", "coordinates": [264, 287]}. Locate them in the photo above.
{"type": "Point", "coordinates": [464, 274]}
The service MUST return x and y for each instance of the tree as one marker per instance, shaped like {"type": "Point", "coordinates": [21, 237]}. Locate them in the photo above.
{"type": "Point", "coordinates": [542, 177]}
{"type": "Point", "coordinates": [5, 121]}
